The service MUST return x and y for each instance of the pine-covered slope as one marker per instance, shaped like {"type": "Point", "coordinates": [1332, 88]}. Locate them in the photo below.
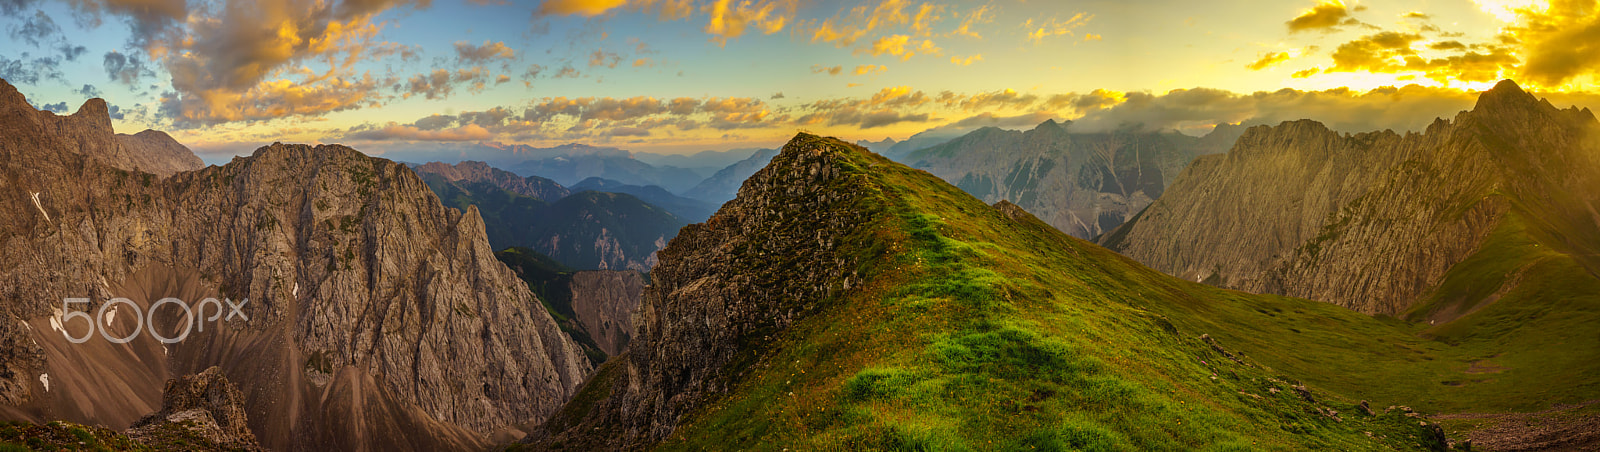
{"type": "Point", "coordinates": [844, 301]}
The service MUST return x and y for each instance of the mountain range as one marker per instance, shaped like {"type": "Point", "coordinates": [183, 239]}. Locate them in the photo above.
{"type": "Point", "coordinates": [376, 317]}
{"type": "Point", "coordinates": [1291, 288]}
{"type": "Point", "coordinates": [844, 301]}
{"type": "Point", "coordinates": [1084, 184]}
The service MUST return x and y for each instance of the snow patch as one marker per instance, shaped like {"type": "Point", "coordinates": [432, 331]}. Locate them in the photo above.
{"type": "Point", "coordinates": [296, 291]}
{"type": "Point", "coordinates": [55, 320]}
{"type": "Point", "coordinates": [112, 314]}
{"type": "Point", "coordinates": [45, 380]}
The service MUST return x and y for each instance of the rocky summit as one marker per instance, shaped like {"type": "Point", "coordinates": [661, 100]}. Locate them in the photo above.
{"type": "Point", "coordinates": [844, 301]}
{"type": "Point", "coordinates": [376, 317]}
{"type": "Point", "coordinates": [1380, 222]}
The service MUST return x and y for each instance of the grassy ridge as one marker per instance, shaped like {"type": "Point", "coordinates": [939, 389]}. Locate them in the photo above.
{"type": "Point", "coordinates": [977, 331]}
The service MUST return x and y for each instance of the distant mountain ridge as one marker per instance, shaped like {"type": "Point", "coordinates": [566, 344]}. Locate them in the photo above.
{"type": "Point", "coordinates": [470, 171]}
{"type": "Point", "coordinates": [587, 230]}
{"type": "Point", "coordinates": [692, 210]}
{"type": "Point", "coordinates": [724, 185]}
{"type": "Point", "coordinates": [1084, 184]}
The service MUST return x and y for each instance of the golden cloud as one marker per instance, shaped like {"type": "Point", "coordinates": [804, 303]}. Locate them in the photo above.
{"type": "Point", "coordinates": [1269, 60]}
{"type": "Point", "coordinates": [585, 8]}
{"type": "Point", "coordinates": [1324, 16]}
{"type": "Point", "coordinates": [1039, 31]}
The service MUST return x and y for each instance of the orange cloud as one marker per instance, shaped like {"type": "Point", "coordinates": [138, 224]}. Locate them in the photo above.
{"type": "Point", "coordinates": [866, 69]}
{"type": "Point", "coordinates": [1269, 60]}
{"type": "Point", "coordinates": [1039, 31]}
{"type": "Point", "coordinates": [1324, 16]}
{"type": "Point", "coordinates": [585, 8]}
{"type": "Point", "coordinates": [959, 61]}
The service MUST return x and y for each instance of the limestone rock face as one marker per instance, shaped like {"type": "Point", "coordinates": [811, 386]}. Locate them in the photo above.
{"type": "Point", "coordinates": [376, 316]}
{"type": "Point", "coordinates": [470, 171]}
{"type": "Point", "coordinates": [604, 301]}
{"type": "Point", "coordinates": [204, 405]}
{"type": "Point", "coordinates": [724, 287]}
{"type": "Point", "coordinates": [1084, 184]}
{"type": "Point", "coordinates": [155, 152]}
{"type": "Point", "coordinates": [1370, 221]}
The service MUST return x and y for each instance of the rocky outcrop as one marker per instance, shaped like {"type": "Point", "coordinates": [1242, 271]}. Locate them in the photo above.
{"type": "Point", "coordinates": [767, 259]}
{"type": "Point", "coordinates": [1370, 221]}
{"type": "Point", "coordinates": [724, 185]}
{"type": "Point", "coordinates": [1084, 184]}
{"type": "Point", "coordinates": [154, 152]}
{"type": "Point", "coordinates": [604, 301]}
{"type": "Point", "coordinates": [469, 171]}
{"type": "Point", "coordinates": [205, 409]}
{"type": "Point", "coordinates": [377, 317]}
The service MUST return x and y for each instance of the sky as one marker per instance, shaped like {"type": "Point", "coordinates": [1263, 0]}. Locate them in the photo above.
{"type": "Point", "coordinates": [679, 76]}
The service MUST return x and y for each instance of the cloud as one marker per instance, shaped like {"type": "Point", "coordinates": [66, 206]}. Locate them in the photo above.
{"type": "Point", "coordinates": [1038, 31]}
{"type": "Point", "coordinates": [729, 19]}
{"type": "Point", "coordinates": [959, 61]}
{"type": "Point", "coordinates": [441, 83]}
{"type": "Point", "coordinates": [296, 57]}
{"type": "Point", "coordinates": [831, 70]}
{"type": "Point", "coordinates": [979, 15]}
{"type": "Point", "coordinates": [1004, 99]}
{"type": "Point", "coordinates": [57, 108]}
{"type": "Point", "coordinates": [36, 31]}
{"type": "Point", "coordinates": [30, 71]}
{"type": "Point", "coordinates": [902, 46]}
{"type": "Point", "coordinates": [466, 52]}
{"type": "Point", "coordinates": [1559, 43]}
{"type": "Point", "coordinates": [868, 69]}
{"type": "Point", "coordinates": [585, 8]}
{"type": "Point", "coordinates": [1269, 60]}
{"type": "Point", "coordinates": [88, 91]}
{"type": "Point", "coordinates": [128, 70]}
{"type": "Point", "coordinates": [1411, 107]}
{"type": "Point", "coordinates": [1325, 16]}
{"type": "Point", "coordinates": [395, 132]}
{"type": "Point", "coordinates": [603, 58]}
{"type": "Point", "coordinates": [777, 95]}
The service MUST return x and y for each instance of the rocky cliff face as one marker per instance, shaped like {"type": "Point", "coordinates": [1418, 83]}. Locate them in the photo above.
{"type": "Point", "coordinates": [376, 317]}
{"type": "Point", "coordinates": [205, 409]}
{"type": "Point", "coordinates": [604, 301]}
{"type": "Point", "coordinates": [154, 152]}
{"type": "Point", "coordinates": [1084, 184]}
{"type": "Point", "coordinates": [723, 287]}
{"type": "Point", "coordinates": [469, 171]}
{"type": "Point", "coordinates": [1371, 221]}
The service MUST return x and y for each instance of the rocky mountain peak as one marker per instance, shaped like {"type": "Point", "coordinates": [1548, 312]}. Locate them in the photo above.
{"type": "Point", "coordinates": [1504, 95]}
{"type": "Point", "coordinates": [10, 98]}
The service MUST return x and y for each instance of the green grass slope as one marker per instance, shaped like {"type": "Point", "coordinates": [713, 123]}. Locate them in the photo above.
{"type": "Point", "coordinates": [981, 328]}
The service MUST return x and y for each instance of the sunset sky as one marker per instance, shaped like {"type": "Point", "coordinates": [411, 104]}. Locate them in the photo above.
{"type": "Point", "coordinates": [687, 75]}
